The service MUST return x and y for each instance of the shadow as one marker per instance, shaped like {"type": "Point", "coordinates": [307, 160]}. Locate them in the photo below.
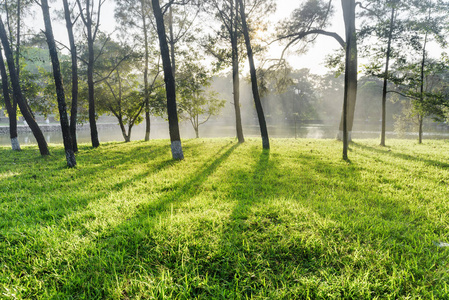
{"type": "Point", "coordinates": [403, 156]}
{"type": "Point", "coordinates": [52, 194]}
{"type": "Point", "coordinates": [124, 245]}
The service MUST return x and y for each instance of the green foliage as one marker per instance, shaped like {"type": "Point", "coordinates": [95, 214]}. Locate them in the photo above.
{"type": "Point", "coordinates": [230, 222]}
{"type": "Point", "coordinates": [195, 103]}
{"type": "Point", "coordinates": [433, 100]}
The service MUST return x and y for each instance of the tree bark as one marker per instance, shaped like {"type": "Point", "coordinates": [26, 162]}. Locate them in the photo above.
{"type": "Point", "coordinates": [122, 127]}
{"type": "Point", "coordinates": [145, 74]}
{"type": "Point", "coordinates": [169, 80]}
{"type": "Point", "coordinates": [60, 95]}
{"type": "Point", "coordinates": [42, 144]}
{"type": "Point", "coordinates": [255, 89]}
{"type": "Point", "coordinates": [235, 72]}
{"type": "Point", "coordinates": [73, 54]}
{"type": "Point", "coordinates": [9, 108]}
{"type": "Point", "coordinates": [420, 128]}
{"type": "Point", "coordinates": [351, 65]}
{"type": "Point", "coordinates": [421, 88]}
{"type": "Point", "coordinates": [88, 23]}
{"type": "Point", "coordinates": [172, 41]}
{"type": "Point", "coordinates": [13, 114]}
{"type": "Point", "coordinates": [350, 92]}
{"type": "Point", "coordinates": [384, 88]}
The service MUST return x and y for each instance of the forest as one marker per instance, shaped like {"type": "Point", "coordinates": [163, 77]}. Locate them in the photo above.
{"type": "Point", "coordinates": [307, 185]}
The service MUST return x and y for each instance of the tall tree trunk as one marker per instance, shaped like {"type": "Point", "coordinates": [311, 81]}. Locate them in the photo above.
{"type": "Point", "coordinates": [13, 114]}
{"type": "Point", "coordinates": [145, 73]}
{"type": "Point", "coordinates": [252, 68]}
{"type": "Point", "coordinates": [43, 148]}
{"type": "Point", "coordinates": [421, 95]}
{"type": "Point", "coordinates": [90, 78]}
{"type": "Point", "coordinates": [384, 88]}
{"type": "Point", "coordinates": [169, 80]}
{"type": "Point", "coordinates": [235, 72]}
{"type": "Point", "coordinates": [350, 91]}
{"type": "Point", "coordinates": [9, 108]}
{"type": "Point", "coordinates": [70, 156]}
{"type": "Point", "coordinates": [349, 19]}
{"type": "Point", "coordinates": [73, 54]}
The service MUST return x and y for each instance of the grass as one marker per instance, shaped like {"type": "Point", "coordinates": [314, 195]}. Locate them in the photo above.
{"type": "Point", "coordinates": [229, 222]}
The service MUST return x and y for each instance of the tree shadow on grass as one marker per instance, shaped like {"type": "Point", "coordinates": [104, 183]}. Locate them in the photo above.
{"type": "Point", "coordinates": [128, 246]}
{"type": "Point", "coordinates": [296, 249]}
{"type": "Point", "coordinates": [48, 197]}
{"type": "Point", "coordinates": [407, 157]}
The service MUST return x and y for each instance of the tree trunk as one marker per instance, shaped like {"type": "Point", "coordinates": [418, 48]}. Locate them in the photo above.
{"type": "Point", "coordinates": [255, 89]}
{"type": "Point", "coordinates": [73, 54]}
{"type": "Point", "coordinates": [130, 127]}
{"type": "Point", "coordinates": [18, 38]}
{"type": "Point", "coordinates": [145, 73]}
{"type": "Point", "coordinates": [235, 73]}
{"type": "Point", "coordinates": [384, 88]}
{"type": "Point", "coordinates": [70, 156]}
{"type": "Point", "coordinates": [170, 87]}
{"type": "Point", "coordinates": [9, 108]}
{"type": "Point", "coordinates": [351, 65]}
{"type": "Point", "coordinates": [13, 114]}
{"type": "Point", "coordinates": [43, 148]}
{"type": "Point", "coordinates": [122, 127]}
{"type": "Point", "coordinates": [172, 40]}
{"type": "Point", "coordinates": [421, 96]}
{"type": "Point", "coordinates": [350, 91]}
{"type": "Point", "coordinates": [90, 79]}
{"type": "Point", "coordinates": [420, 128]}
{"type": "Point", "coordinates": [197, 132]}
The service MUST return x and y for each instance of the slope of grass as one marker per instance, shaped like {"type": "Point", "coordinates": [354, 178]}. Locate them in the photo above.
{"type": "Point", "coordinates": [229, 222]}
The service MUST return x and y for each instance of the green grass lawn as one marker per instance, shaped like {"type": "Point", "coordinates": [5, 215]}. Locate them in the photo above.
{"type": "Point", "coordinates": [228, 222]}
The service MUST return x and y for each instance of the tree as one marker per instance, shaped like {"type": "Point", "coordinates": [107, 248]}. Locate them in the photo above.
{"type": "Point", "coordinates": [91, 27]}
{"type": "Point", "coordinates": [74, 69]}
{"type": "Point", "coordinates": [70, 156]}
{"type": "Point", "coordinates": [119, 92]}
{"type": "Point", "coordinates": [424, 85]}
{"type": "Point", "coordinates": [9, 107]}
{"type": "Point", "coordinates": [195, 101]}
{"type": "Point", "coordinates": [254, 84]}
{"type": "Point", "coordinates": [350, 92]}
{"type": "Point", "coordinates": [17, 93]}
{"type": "Point", "coordinates": [170, 87]}
{"type": "Point", "coordinates": [417, 74]}
{"type": "Point", "coordinates": [136, 14]}
{"type": "Point", "coordinates": [230, 34]}
{"type": "Point", "coordinates": [309, 21]}
{"type": "Point", "coordinates": [384, 21]}
{"type": "Point", "coordinates": [228, 14]}
{"type": "Point", "coordinates": [14, 19]}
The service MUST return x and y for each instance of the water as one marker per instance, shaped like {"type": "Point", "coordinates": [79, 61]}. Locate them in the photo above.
{"type": "Point", "coordinates": [159, 130]}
